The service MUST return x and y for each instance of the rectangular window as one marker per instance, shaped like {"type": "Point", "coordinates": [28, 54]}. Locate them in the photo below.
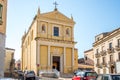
{"type": "Point", "coordinates": [56, 31]}
{"type": "Point", "coordinates": [1, 9]}
{"type": "Point", "coordinates": [118, 42]}
{"type": "Point", "coordinates": [104, 60]}
{"type": "Point", "coordinates": [110, 45]}
{"type": "Point", "coordinates": [97, 50]}
{"type": "Point", "coordinates": [119, 56]}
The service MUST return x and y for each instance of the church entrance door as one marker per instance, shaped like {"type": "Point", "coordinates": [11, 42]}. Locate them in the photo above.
{"type": "Point", "coordinates": [56, 63]}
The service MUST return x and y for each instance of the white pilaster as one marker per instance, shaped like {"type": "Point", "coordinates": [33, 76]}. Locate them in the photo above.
{"type": "Point", "coordinates": [64, 56]}
{"type": "Point", "coordinates": [38, 54]}
{"type": "Point", "coordinates": [73, 56]}
{"type": "Point", "coordinates": [48, 55]}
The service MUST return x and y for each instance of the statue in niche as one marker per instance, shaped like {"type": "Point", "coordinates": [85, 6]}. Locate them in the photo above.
{"type": "Point", "coordinates": [67, 32]}
{"type": "Point", "coordinates": [43, 28]}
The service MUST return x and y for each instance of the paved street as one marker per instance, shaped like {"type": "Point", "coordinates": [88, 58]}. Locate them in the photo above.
{"type": "Point", "coordinates": [44, 78]}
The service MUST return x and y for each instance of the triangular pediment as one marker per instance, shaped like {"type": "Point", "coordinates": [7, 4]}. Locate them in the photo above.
{"type": "Point", "coordinates": [57, 15]}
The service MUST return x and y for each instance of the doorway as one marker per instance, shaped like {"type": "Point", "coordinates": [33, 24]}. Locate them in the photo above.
{"type": "Point", "coordinates": [112, 69]}
{"type": "Point", "coordinates": [56, 63]}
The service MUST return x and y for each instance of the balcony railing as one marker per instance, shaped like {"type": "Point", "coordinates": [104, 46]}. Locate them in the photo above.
{"type": "Point", "coordinates": [118, 60]}
{"type": "Point", "coordinates": [111, 62]}
{"type": "Point", "coordinates": [97, 55]}
{"type": "Point", "coordinates": [98, 65]}
{"type": "Point", "coordinates": [117, 48]}
{"type": "Point", "coordinates": [104, 64]}
{"type": "Point", "coordinates": [110, 50]}
{"type": "Point", "coordinates": [103, 53]}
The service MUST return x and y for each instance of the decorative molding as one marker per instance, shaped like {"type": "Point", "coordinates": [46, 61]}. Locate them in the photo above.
{"type": "Point", "coordinates": [55, 40]}
{"type": "Point", "coordinates": [108, 37]}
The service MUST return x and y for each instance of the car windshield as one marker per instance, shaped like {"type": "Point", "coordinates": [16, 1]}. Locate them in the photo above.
{"type": "Point", "coordinates": [30, 71]}
{"type": "Point", "coordinates": [116, 77]}
{"type": "Point", "coordinates": [80, 73]}
{"type": "Point", "coordinates": [91, 74]}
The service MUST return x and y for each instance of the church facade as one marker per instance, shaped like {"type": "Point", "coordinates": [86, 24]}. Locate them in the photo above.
{"type": "Point", "coordinates": [3, 16]}
{"type": "Point", "coordinates": [49, 43]}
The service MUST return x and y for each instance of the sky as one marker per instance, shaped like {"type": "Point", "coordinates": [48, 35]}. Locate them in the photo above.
{"type": "Point", "coordinates": [92, 17]}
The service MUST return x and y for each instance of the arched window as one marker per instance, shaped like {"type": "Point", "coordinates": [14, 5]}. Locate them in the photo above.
{"type": "Point", "coordinates": [67, 31]}
{"type": "Point", "coordinates": [43, 28]}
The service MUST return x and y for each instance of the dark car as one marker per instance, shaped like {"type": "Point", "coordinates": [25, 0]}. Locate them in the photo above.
{"type": "Point", "coordinates": [85, 75]}
{"type": "Point", "coordinates": [20, 74]}
{"type": "Point", "coordinates": [108, 77]}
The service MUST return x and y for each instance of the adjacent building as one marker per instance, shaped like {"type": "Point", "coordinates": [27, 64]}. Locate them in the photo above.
{"type": "Point", "coordinates": [3, 16]}
{"type": "Point", "coordinates": [107, 51]}
{"type": "Point", "coordinates": [86, 63]}
{"type": "Point", "coordinates": [89, 57]}
{"type": "Point", "coordinates": [49, 43]}
{"type": "Point", "coordinates": [9, 62]}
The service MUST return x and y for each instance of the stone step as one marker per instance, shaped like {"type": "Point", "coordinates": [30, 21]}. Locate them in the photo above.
{"type": "Point", "coordinates": [70, 75]}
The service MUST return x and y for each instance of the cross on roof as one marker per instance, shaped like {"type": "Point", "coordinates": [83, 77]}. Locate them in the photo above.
{"type": "Point", "coordinates": [55, 3]}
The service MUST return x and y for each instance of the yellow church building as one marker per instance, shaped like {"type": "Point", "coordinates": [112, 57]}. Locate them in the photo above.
{"type": "Point", "coordinates": [49, 43]}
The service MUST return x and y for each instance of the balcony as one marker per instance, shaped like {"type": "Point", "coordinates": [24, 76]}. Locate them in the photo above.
{"type": "Point", "coordinates": [97, 55]}
{"type": "Point", "coordinates": [104, 64]}
{"type": "Point", "coordinates": [117, 48]}
{"type": "Point", "coordinates": [98, 65]}
{"type": "Point", "coordinates": [110, 50]}
{"type": "Point", "coordinates": [111, 62]}
{"type": "Point", "coordinates": [103, 53]}
{"type": "Point", "coordinates": [118, 60]}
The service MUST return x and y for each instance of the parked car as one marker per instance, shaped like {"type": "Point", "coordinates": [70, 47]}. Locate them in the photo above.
{"type": "Point", "coordinates": [29, 75]}
{"type": "Point", "coordinates": [85, 75]}
{"type": "Point", "coordinates": [20, 73]}
{"type": "Point", "coordinates": [108, 77]}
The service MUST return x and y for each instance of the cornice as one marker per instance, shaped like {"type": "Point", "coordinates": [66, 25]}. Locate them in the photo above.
{"type": "Point", "coordinates": [108, 37]}
{"type": "Point", "coordinates": [46, 19]}
{"type": "Point", "coordinates": [55, 40]}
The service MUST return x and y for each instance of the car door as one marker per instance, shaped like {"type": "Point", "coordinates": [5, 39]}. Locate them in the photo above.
{"type": "Point", "coordinates": [99, 77]}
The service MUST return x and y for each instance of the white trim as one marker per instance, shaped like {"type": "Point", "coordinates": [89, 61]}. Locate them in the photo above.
{"type": "Point", "coordinates": [38, 54]}
{"type": "Point", "coordinates": [56, 44]}
{"type": "Point", "coordinates": [73, 56]}
{"type": "Point", "coordinates": [61, 61]}
{"type": "Point", "coordinates": [53, 30]}
{"type": "Point", "coordinates": [64, 56]}
{"type": "Point", "coordinates": [59, 22]}
{"type": "Point", "coordinates": [48, 55]}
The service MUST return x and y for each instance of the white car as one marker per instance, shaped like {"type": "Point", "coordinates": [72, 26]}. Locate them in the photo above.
{"type": "Point", "coordinates": [108, 77]}
{"type": "Point", "coordinates": [29, 75]}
